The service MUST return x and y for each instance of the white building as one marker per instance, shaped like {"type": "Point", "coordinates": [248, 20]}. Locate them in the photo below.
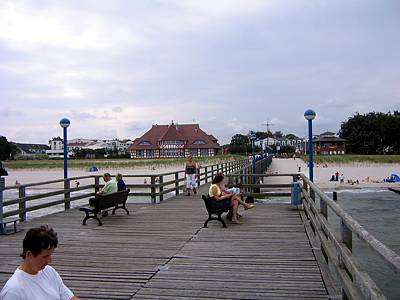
{"type": "Point", "coordinates": [56, 148]}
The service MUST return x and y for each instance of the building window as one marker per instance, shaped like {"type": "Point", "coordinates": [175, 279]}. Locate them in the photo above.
{"type": "Point", "coordinates": [204, 152]}
{"type": "Point", "coordinates": [199, 142]}
{"type": "Point", "coordinates": [144, 143]}
{"type": "Point", "coordinates": [194, 152]}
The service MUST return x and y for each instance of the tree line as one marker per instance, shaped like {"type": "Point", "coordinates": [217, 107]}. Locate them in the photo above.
{"type": "Point", "coordinates": [372, 133]}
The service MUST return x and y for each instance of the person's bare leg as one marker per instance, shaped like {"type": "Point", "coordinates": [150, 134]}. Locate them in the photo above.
{"type": "Point", "coordinates": [234, 211]}
{"type": "Point", "coordinates": [245, 205]}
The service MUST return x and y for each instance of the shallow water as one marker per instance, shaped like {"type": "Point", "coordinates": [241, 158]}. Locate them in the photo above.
{"type": "Point", "coordinates": [378, 212]}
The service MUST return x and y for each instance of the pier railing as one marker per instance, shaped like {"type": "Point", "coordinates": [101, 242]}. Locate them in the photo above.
{"type": "Point", "coordinates": [342, 273]}
{"type": "Point", "coordinates": [156, 188]}
{"type": "Point", "coordinates": [334, 251]}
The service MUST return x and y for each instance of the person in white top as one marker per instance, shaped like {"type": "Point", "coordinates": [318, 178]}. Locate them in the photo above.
{"type": "Point", "coordinates": [34, 279]}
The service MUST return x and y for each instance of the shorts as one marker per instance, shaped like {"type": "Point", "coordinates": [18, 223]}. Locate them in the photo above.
{"type": "Point", "coordinates": [191, 182]}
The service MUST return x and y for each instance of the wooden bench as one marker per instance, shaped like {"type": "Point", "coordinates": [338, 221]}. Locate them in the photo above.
{"type": "Point", "coordinates": [103, 202]}
{"type": "Point", "coordinates": [9, 220]}
{"type": "Point", "coordinates": [214, 208]}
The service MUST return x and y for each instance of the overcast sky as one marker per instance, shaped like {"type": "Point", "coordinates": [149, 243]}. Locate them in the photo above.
{"type": "Point", "coordinates": [114, 68]}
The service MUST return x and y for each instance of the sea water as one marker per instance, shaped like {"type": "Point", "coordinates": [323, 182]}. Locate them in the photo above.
{"type": "Point", "coordinates": [378, 211]}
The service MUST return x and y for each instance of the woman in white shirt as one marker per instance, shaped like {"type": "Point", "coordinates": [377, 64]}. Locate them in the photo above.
{"type": "Point", "coordinates": [34, 279]}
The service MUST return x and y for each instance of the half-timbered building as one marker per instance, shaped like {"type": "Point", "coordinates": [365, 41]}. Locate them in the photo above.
{"type": "Point", "coordinates": [174, 140]}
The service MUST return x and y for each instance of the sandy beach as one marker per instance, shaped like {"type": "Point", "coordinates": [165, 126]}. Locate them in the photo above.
{"type": "Point", "coordinates": [25, 176]}
{"type": "Point", "coordinates": [353, 172]}
{"type": "Point", "coordinates": [322, 174]}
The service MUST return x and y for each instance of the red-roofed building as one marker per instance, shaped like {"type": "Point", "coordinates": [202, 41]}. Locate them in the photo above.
{"type": "Point", "coordinates": [174, 140]}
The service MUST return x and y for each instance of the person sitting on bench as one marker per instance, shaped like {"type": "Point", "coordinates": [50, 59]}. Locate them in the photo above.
{"type": "Point", "coordinates": [227, 199]}
{"type": "Point", "coordinates": [236, 190]}
{"type": "Point", "coordinates": [109, 187]}
{"type": "Point", "coordinates": [120, 182]}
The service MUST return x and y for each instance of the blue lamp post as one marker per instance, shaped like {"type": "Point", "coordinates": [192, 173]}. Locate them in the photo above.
{"type": "Point", "coordinates": [64, 123]}
{"type": "Point", "coordinates": [253, 146]}
{"type": "Point", "coordinates": [310, 115]}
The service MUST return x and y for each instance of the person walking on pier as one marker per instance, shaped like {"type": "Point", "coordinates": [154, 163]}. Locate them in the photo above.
{"type": "Point", "coordinates": [190, 174]}
{"type": "Point", "coordinates": [35, 279]}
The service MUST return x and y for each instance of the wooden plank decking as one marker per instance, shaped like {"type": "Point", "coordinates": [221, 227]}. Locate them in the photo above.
{"type": "Point", "coordinates": [163, 252]}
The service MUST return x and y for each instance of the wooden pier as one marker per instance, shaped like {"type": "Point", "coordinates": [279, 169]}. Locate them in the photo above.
{"type": "Point", "coordinates": [163, 252]}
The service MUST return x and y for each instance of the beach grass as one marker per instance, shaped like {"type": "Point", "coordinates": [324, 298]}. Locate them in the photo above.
{"type": "Point", "coordinates": [115, 163]}
{"type": "Point", "coordinates": [355, 158]}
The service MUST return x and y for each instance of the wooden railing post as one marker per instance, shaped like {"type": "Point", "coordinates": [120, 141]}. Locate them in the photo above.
{"type": "Point", "coordinates": [346, 235]}
{"type": "Point", "coordinates": [161, 187]}
{"type": "Point", "coordinates": [2, 187]}
{"type": "Point", "coordinates": [198, 176]}
{"type": "Point", "coordinates": [176, 183]}
{"type": "Point", "coordinates": [96, 184]}
{"type": "Point", "coordinates": [67, 194]}
{"type": "Point", "coordinates": [153, 188]}
{"type": "Point", "coordinates": [334, 196]}
{"type": "Point", "coordinates": [22, 203]}
{"type": "Point", "coordinates": [305, 185]}
{"type": "Point", "coordinates": [206, 176]}
{"type": "Point", "coordinates": [324, 208]}
{"type": "Point", "coordinates": [312, 194]}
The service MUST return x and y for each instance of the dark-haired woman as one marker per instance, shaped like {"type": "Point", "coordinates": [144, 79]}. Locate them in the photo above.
{"type": "Point", "coordinates": [230, 200]}
{"type": "Point", "coordinates": [35, 279]}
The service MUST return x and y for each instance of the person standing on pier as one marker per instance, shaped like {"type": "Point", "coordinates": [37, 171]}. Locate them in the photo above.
{"type": "Point", "coordinates": [191, 175]}
{"type": "Point", "coordinates": [35, 279]}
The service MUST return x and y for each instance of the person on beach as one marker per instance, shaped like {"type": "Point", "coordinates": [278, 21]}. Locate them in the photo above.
{"type": "Point", "coordinates": [121, 186]}
{"type": "Point", "coordinates": [341, 178]}
{"type": "Point", "coordinates": [226, 199]}
{"type": "Point", "coordinates": [190, 174]}
{"type": "Point", "coordinates": [337, 176]}
{"type": "Point", "coordinates": [35, 279]}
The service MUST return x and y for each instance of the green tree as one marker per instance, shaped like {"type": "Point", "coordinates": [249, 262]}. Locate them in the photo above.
{"type": "Point", "coordinates": [240, 144]}
{"type": "Point", "coordinates": [7, 149]}
{"type": "Point", "coordinates": [372, 133]}
{"type": "Point", "coordinates": [291, 136]}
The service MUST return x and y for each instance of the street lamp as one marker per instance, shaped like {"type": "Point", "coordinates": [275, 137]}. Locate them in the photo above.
{"type": "Point", "coordinates": [252, 137]}
{"type": "Point", "coordinates": [64, 123]}
{"type": "Point", "coordinates": [309, 115]}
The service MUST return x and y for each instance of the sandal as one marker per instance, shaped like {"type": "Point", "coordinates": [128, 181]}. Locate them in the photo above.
{"type": "Point", "coordinates": [248, 206]}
